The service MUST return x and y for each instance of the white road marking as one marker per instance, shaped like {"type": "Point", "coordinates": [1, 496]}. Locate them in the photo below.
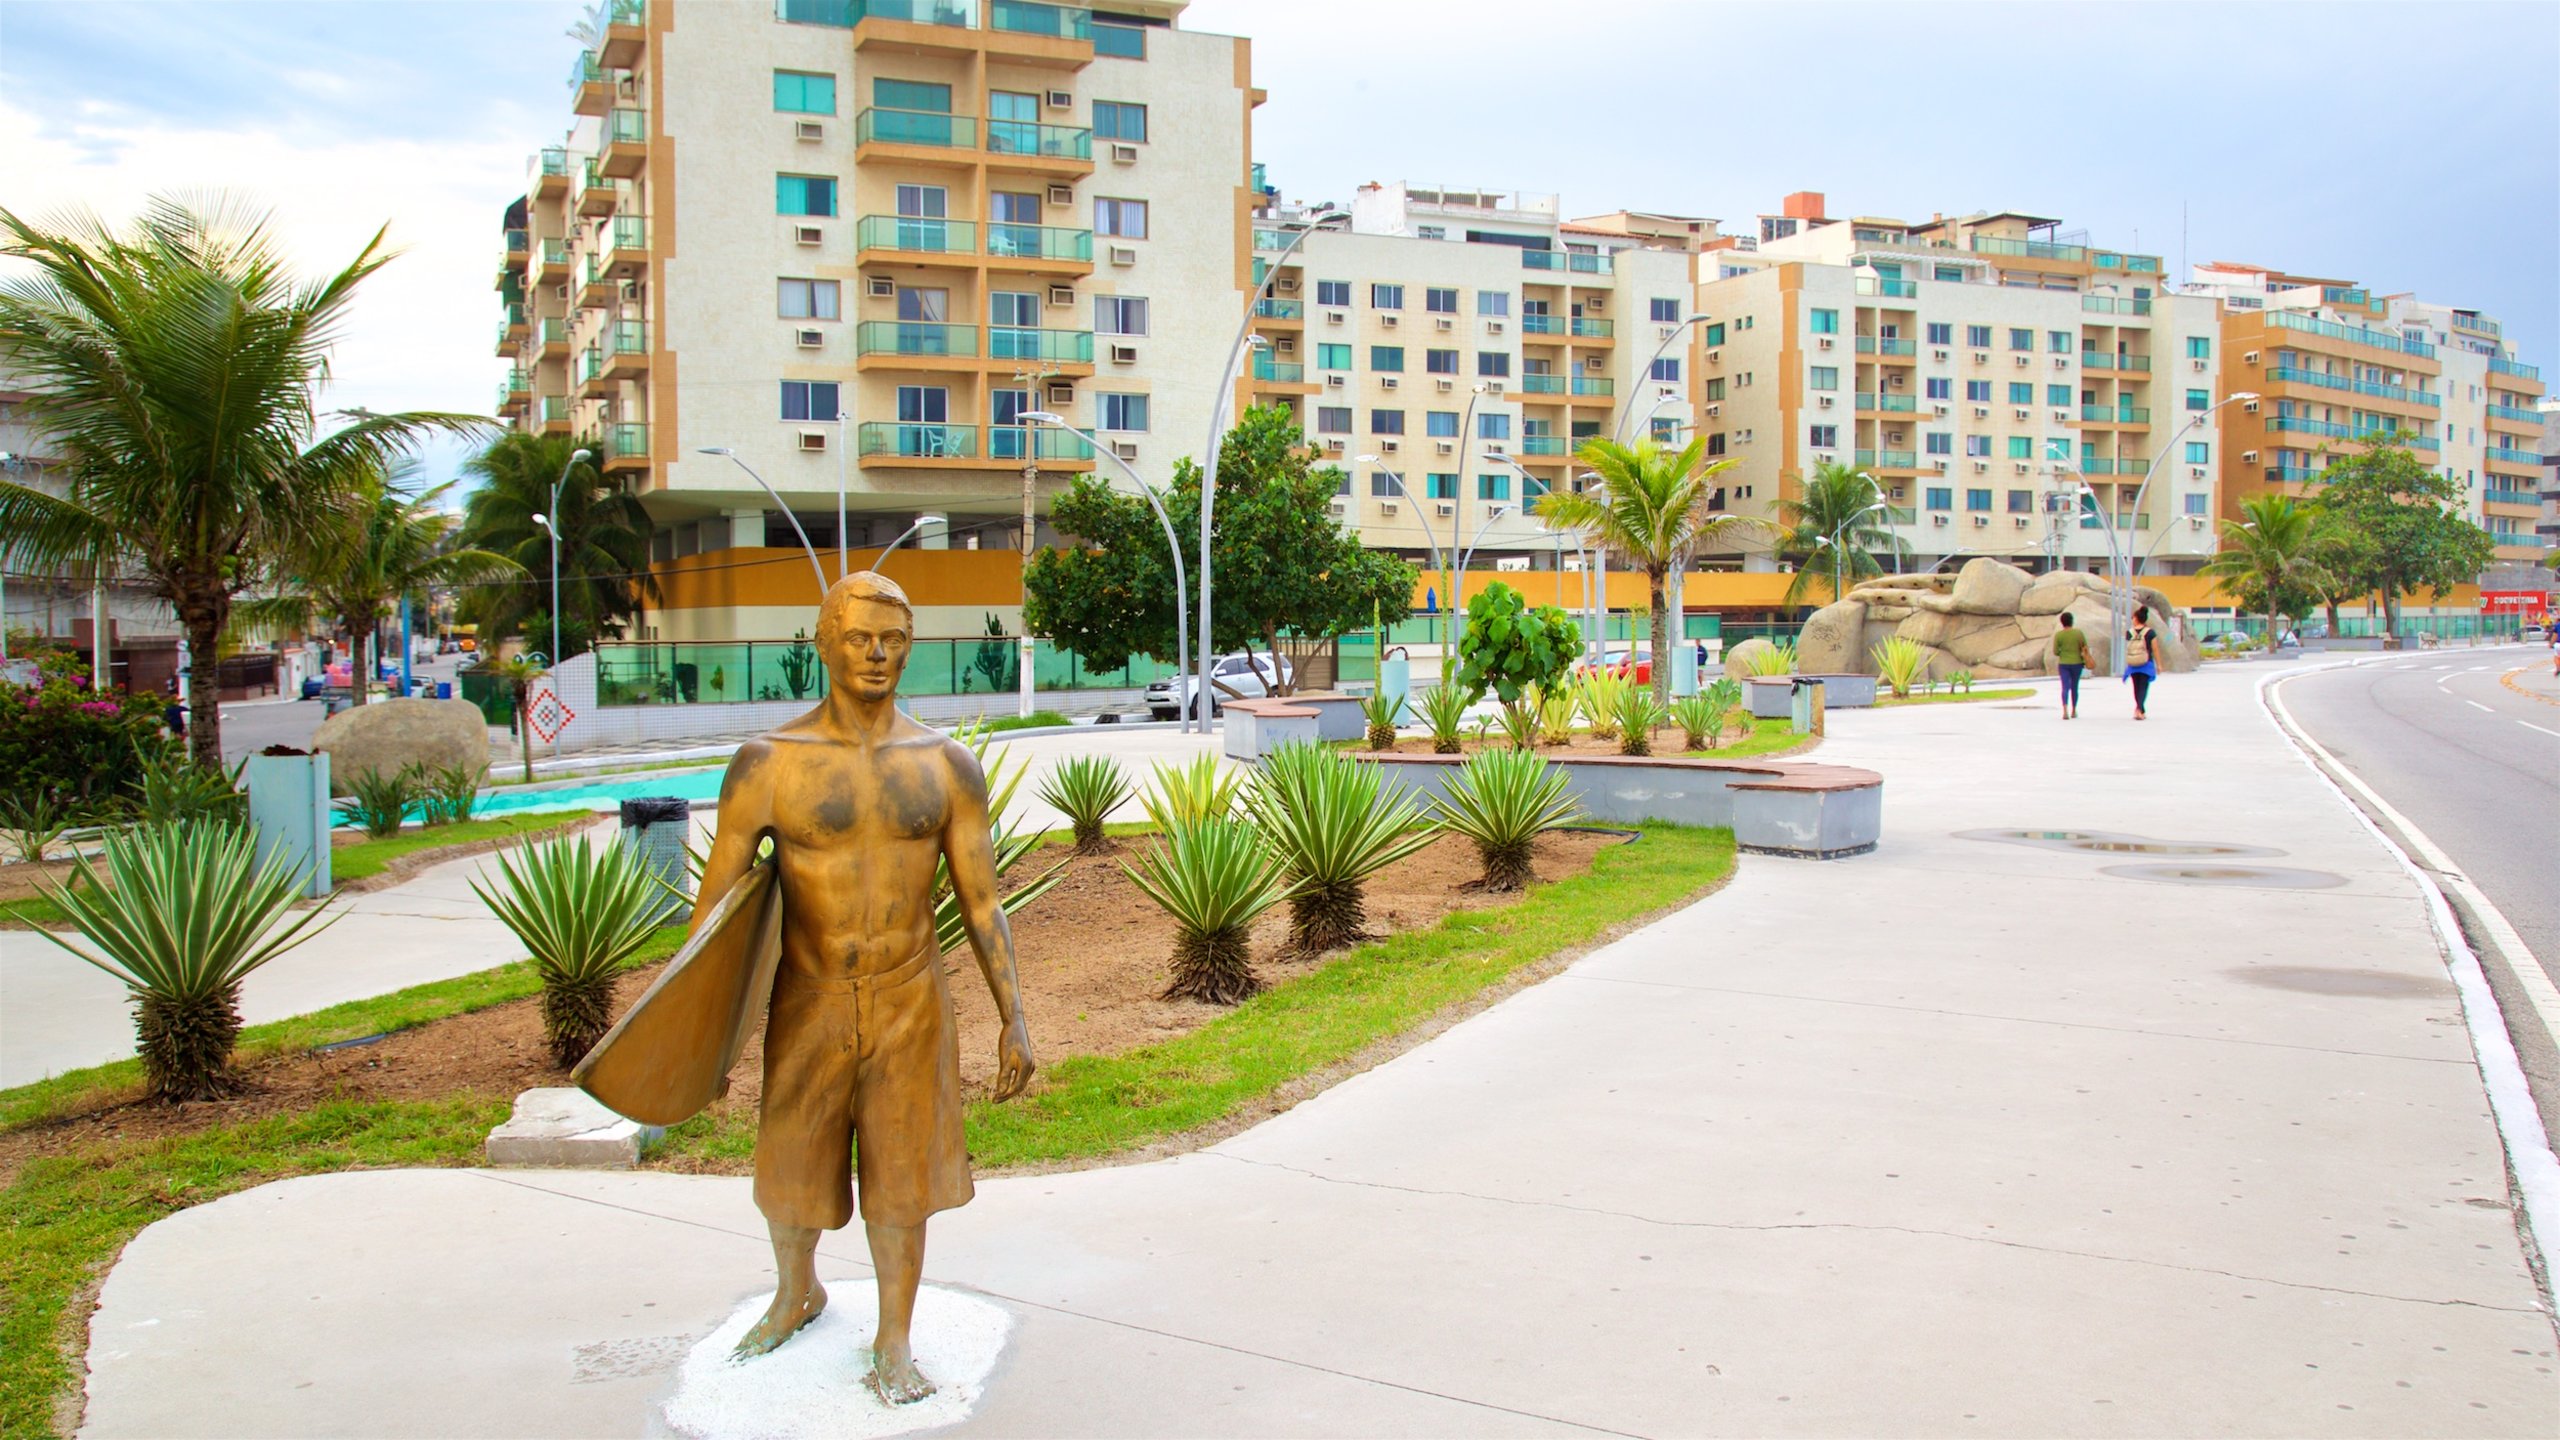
{"type": "Point", "coordinates": [2476, 705]}
{"type": "Point", "coordinates": [2529, 725]}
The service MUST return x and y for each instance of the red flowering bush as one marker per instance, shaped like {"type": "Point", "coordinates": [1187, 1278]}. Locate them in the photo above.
{"type": "Point", "coordinates": [77, 747]}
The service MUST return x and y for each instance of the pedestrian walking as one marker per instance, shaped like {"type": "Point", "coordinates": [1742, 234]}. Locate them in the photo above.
{"type": "Point", "coordinates": [2141, 667]}
{"type": "Point", "coordinates": [2070, 658]}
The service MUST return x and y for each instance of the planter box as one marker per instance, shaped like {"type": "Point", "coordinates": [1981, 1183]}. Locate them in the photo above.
{"type": "Point", "coordinates": [1774, 807]}
{"type": "Point", "coordinates": [1846, 692]}
{"type": "Point", "coordinates": [1251, 729]}
{"type": "Point", "coordinates": [1770, 697]}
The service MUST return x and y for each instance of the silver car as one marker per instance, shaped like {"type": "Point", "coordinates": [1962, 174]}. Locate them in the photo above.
{"type": "Point", "coordinates": [1245, 676]}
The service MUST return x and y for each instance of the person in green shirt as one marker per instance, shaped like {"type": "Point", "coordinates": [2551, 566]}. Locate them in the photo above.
{"type": "Point", "coordinates": [2070, 657]}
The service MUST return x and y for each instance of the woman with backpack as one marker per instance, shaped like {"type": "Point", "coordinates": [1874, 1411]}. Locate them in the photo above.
{"type": "Point", "coordinates": [2141, 659]}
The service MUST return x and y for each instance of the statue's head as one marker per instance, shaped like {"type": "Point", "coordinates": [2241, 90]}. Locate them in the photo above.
{"type": "Point", "coordinates": [865, 627]}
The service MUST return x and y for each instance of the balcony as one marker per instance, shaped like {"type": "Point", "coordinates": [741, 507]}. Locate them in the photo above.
{"type": "Point", "coordinates": [930, 129]}
{"type": "Point", "coordinates": [2117, 414]}
{"type": "Point", "coordinates": [915, 235]}
{"type": "Point", "coordinates": [590, 85]}
{"type": "Point", "coordinates": [2111, 360]}
{"type": "Point", "coordinates": [1279, 372]}
{"type": "Point", "coordinates": [1047, 142]}
{"type": "Point", "coordinates": [597, 194]}
{"type": "Point", "coordinates": [551, 172]}
{"type": "Point", "coordinates": [513, 391]}
{"type": "Point", "coordinates": [1593, 387]}
{"type": "Point", "coordinates": [2351, 334]}
{"type": "Point", "coordinates": [1888, 403]}
{"type": "Point", "coordinates": [902, 440]}
{"type": "Point", "coordinates": [626, 143]}
{"type": "Point", "coordinates": [1048, 243]}
{"type": "Point", "coordinates": [518, 248]}
{"type": "Point", "coordinates": [2029, 249]}
{"type": "Point", "coordinates": [554, 337]}
{"type": "Point", "coordinates": [554, 261]}
{"type": "Point", "coordinates": [1036, 442]}
{"type": "Point", "coordinates": [1573, 261]}
{"type": "Point", "coordinates": [2113, 305]}
{"type": "Point", "coordinates": [2514, 412]}
{"type": "Point", "coordinates": [557, 415]}
{"type": "Point", "coordinates": [1888, 460]}
{"type": "Point", "coordinates": [625, 344]}
{"type": "Point", "coordinates": [1586, 328]}
{"type": "Point", "coordinates": [1901, 515]}
{"type": "Point", "coordinates": [2299, 425]}
{"type": "Point", "coordinates": [624, 33]}
{"type": "Point", "coordinates": [1886, 286]}
{"type": "Point", "coordinates": [845, 14]}
{"type": "Point", "coordinates": [2290, 474]}
{"type": "Point", "coordinates": [2296, 375]}
{"type": "Point", "coordinates": [1545, 445]}
{"type": "Point", "coordinates": [2513, 367]}
{"type": "Point", "coordinates": [2130, 264]}
{"type": "Point", "coordinates": [511, 331]}
{"type": "Point", "coordinates": [598, 289]}
{"type": "Point", "coordinates": [1275, 309]}
{"type": "Point", "coordinates": [623, 248]}
{"type": "Point", "coordinates": [2508, 455]}
{"type": "Point", "coordinates": [1871, 345]}
{"type": "Point", "coordinates": [919, 339]}
{"type": "Point", "coordinates": [1027, 17]}
{"type": "Point", "coordinates": [1542, 384]}
{"type": "Point", "coordinates": [1542, 324]}
{"type": "Point", "coordinates": [1057, 347]}
{"type": "Point", "coordinates": [591, 381]}
{"type": "Point", "coordinates": [2500, 495]}
{"type": "Point", "coordinates": [626, 447]}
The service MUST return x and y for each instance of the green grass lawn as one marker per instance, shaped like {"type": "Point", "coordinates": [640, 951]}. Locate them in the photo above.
{"type": "Point", "coordinates": [64, 1219]}
{"type": "Point", "coordinates": [1949, 697]}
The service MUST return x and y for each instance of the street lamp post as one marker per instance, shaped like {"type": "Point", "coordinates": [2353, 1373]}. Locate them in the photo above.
{"type": "Point", "coordinates": [1627, 412]}
{"type": "Point", "coordinates": [551, 522]}
{"type": "Point", "coordinates": [1529, 482]}
{"type": "Point", "coordinates": [1429, 544]}
{"type": "Point", "coordinates": [1837, 559]}
{"type": "Point", "coordinates": [816, 570]}
{"type": "Point", "coordinates": [1173, 542]}
{"type": "Point", "coordinates": [927, 518]}
{"type": "Point", "coordinates": [2119, 558]}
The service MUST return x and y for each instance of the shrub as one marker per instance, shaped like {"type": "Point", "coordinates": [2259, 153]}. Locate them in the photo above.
{"type": "Point", "coordinates": [451, 792]}
{"type": "Point", "coordinates": [1637, 717]}
{"type": "Point", "coordinates": [1703, 716]}
{"type": "Point", "coordinates": [1200, 790]}
{"type": "Point", "coordinates": [1332, 822]}
{"type": "Point", "coordinates": [1215, 877]}
{"type": "Point", "coordinates": [1960, 683]}
{"type": "Point", "coordinates": [175, 789]}
{"type": "Point", "coordinates": [1444, 713]}
{"type": "Point", "coordinates": [1381, 711]}
{"type": "Point", "coordinates": [1599, 694]}
{"type": "Point", "coordinates": [1086, 789]}
{"type": "Point", "coordinates": [1555, 713]}
{"type": "Point", "coordinates": [378, 801]}
{"type": "Point", "coordinates": [1778, 659]}
{"type": "Point", "coordinates": [1509, 649]}
{"type": "Point", "coordinates": [1900, 661]}
{"type": "Point", "coordinates": [65, 741]}
{"type": "Point", "coordinates": [581, 910]}
{"type": "Point", "coordinates": [1503, 800]}
{"type": "Point", "coordinates": [30, 824]}
{"type": "Point", "coordinates": [187, 914]}
{"type": "Point", "coordinates": [1519, 723]}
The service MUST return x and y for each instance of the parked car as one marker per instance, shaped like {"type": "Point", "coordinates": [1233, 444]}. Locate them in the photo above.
{"type": "Point", "coordinates": [1247, 675]}
{"type": "Point", "coordinates": [1622, 663]}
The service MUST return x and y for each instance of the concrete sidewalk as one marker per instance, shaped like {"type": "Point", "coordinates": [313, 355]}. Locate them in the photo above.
{"type": "Point", "coordinates": [1965, 1137]}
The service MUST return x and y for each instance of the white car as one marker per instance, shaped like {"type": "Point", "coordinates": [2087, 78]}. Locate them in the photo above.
{"type": "Point", "coordinates": [1239, 676]}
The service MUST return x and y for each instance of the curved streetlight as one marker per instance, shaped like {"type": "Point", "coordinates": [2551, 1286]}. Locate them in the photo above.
{"type": "Point", "coordinates": [1529, 482]}
{"type": "Point", "coordinates": [928, 518]}
{"type": "Point", "coordinates": [1173, 542]}
{"type": "Point", "coordinates": [1837, 559]}
{"type": "Point", "coordinates": [550, 522]}
{"type": "Point", "coordinates": [815, 569]}
{"type": "Point", "coordinates": [2120, 597]}
{"type": "Point", "coordinates": [1218, 432]}
{"type": "Point", "coordinates": [1428, 543]}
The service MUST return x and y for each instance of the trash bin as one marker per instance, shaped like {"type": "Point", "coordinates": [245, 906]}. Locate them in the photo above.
{"type": "Point", "coordinates": [654, 828]}
{"type": "Point", "coordinates": [1806, 697]}
{"type": "Point", "coordinates": [444, 689]}
{"type": "Point", "coordinates": [289, 816]}
{"type": "Point", "coordinates": [1395, 678]}
{"type": "Point", "coordinates": [1684, 670]}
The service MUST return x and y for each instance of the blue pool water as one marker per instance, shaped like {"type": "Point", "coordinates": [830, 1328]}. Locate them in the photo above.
{"type": "Point", "coordinates": [703, 784]}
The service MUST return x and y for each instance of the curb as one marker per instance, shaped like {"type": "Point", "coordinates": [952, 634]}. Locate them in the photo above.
{"type": "Point", "coordinates": [2530, 1161]}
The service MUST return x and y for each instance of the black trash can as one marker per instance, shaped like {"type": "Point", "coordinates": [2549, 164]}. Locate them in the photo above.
{"type": "Point", "coordinates": [654, 828]}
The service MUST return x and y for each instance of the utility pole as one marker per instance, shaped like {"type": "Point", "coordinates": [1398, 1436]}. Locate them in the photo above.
{"type": "Point", "coordinates": [1031, 381]}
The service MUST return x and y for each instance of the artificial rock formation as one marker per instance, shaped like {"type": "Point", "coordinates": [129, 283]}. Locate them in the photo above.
{"type": "Point", "coordinates": [1991, 618]}
{"type": "Point", "coordinates": [389, 734]}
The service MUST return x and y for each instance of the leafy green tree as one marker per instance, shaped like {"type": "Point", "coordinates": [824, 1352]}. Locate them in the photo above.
{"type": "Point", "coordinates": [1509, 647]}
{"type": "Point", "coordinates": [2340, 558]}
{"type": "Point", "coordinates": [2266, 562]}
{"type": "Point", "coordinates": [387, 544]}
{"type": "Point", "coordinates": [604, 544]}
{"type": "Point", "coordinates": [1650, 507]}
{"type": "Point", "coordinates": [1284, 564]}
{"type": "Point", "coordinates": [1831, 529]}
{"type": "Point", "coordinates": [2407, 523]}
{"type": "Point", "coordinates": [175, 366]}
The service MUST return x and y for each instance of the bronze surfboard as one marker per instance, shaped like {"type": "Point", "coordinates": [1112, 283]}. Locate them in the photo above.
{"type": "Point", "coordinates": [671, 1053]}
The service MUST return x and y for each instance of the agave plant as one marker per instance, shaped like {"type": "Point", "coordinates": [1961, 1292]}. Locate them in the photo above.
{"type": "Point", "coordinates": [1778, 659]}
{"type": "Point", "coordinates": [451, 792]}
{"type": "Point", "coordinates": [1503, 800]}
{"type": "Point", "coordinates": [1600, 694]}
{"type": "Point", "coordinates": [1200, 790]}
{"type": "Point", "coordinates": [1555, 714]}
{"type": "Point", "coordinates": [30, 824]}
{"type": "Point", "coordinates": [1381, 711]}
{"type": "Point", "coordinates": [186, 912]}
{"type": "Point", "coordinates": [176, 789]}
{"type": "Point", "coordinates": [1215, 877]}
{"type": "Point", "coordinates": [1332, 822]}
{"type": "Point", "coordinates": [1444, 713]}
{"type": "Point", "coordinates": [1702, 717]}
{"type": "Point", "coordinates": [1900, 660]}
{"type": "Point", "coordinates": [1086, 789]}
{"type": "Point", "coordinates": [1638, 716]}
{"type": "Point", "coordinates": [581, 910]}
{"type": "Point", "coordinates": [378, 801]}
{"type": "Point", "coordinates": [1519, 724]}
{"type": "Point", "coordinates": [1004, 831]}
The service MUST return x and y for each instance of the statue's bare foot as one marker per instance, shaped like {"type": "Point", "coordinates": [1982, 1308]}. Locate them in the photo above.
{"type": "Point", "coordinates": [791, 1309]}
{"type": "Point", "coordinates": [894, 1376]}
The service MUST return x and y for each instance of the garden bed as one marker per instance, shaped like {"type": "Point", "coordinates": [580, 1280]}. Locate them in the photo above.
{"type": "Point", "coordinates": [1744, 739]}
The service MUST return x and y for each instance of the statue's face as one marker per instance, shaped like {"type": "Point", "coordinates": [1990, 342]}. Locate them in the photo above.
{"type": "Point", "coordinates": [867, 651]}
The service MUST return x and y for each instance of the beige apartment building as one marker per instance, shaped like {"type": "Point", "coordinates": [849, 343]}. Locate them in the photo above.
{"type": "Point", "coordinates": [2008, 387]}
{"type": "Point", "coordinates": [853, 241]}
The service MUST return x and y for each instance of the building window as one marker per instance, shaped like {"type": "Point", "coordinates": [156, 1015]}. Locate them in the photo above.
{"type": "Point", "coordinates": [2058, 341]}
{"type": "Point", "coordinates": [808, 399]}
{"type": "Point", "coordinates": [2021, 338]}
{"type": "Point", "coordinates": [922, 95]}
{"type": "Point", "coordinates": [1120, 313]}
{"type": "Point", "coordinates": [1666, 311]}
{"type": "Point", "coordinates": [1124, 218]}
{"type": "Point", "coordinates": [1333, 419]}
{"type": "Point", "coordinates": [2022, 447]}
{"type": "Point", "coordinates": [1953, 273]}
{"type": "Point", "coordinates": [1825, 437]}
{"type": "Point", "coordinates": [1977, 499]}
{"type": "Point", "coordinates": [1119, 120]}
{"type": "Point", "coordinates": [1978, 390]}
{"type": "Point", "coordinates": [809, 299]}
{"type": "Point", "coordinates": [1440, 424]}
{"type": "Point", "coordinates": [1826, 377]}
{"type": "Point", "coordinates": [1387, 357]}
{"type": "Point", "coordinates": [1386, 422]}
{"type": "Point", "coordinates": [1440, 300]}
{"type": "Point", "coordinates": [1121, 412]}
{"type": "Point", "coordinates": [1431, 232]}
{"type": "Point", "coordinates": [1666, 367]}
{"type": "Point", "coordinates": [1977, 447]}
{"type": "Point", "coordinates": [2058, 447]}
{"type": "Point", "coordinates": [1940, 387]}
{"type": "Point", "coordinates": [1440, 362]}
{"type": "Point", "coordinates": [1333, 292]}
{"type": "Point", "coordinates": [1493, 487]}
{"type": "Point", "coordinates": [1386, 297]}
{"type": "Point", "coordinates": [2199, 347]}
{"type": "Point", "coordinates": [798, 92]}
{"type": "Point", "coordinates": [1941, 333]}
{"type": "Point", "coordinates": [804, 195]}
{"type": "Point", "coordinates": [2022, 392]}
{"type": "Point", "coordinates": [1331, 356]}
{"type": "Point", "coordinates": [1440, 487]}
{"type": "Point", "coordinates": [2199, 399]}
{"type": "Point", "coordinates": [1715, 388]}
{"type": "Point", "coordinates": [1941, 498]}
{"type": "Point", "coordinates": [1978, 336]}
{"type": "Point", "coordinates": [2199, 452]}
{"type": "Point", "coordinates": [2022, 502]}
{"type": "Point", "coordinates": [2058, 396]}
{"type": "Point", "coordinates": [1826, 322]}
{"type": "Point", "coordinates": [1496, 303]}
{"type": "Point", "coordinates": [1382, 484]}
{"type": "Point", "coordinates": [1496, 363]}
{"type": "Point", "coordinates": [1938, 442]}
{"type": "Point", "coordinates": [2195, 503]}
{"type": "Point", "coordinates": [1493, 425]}
{"type": "Point", "coordinates": [1715, 334]}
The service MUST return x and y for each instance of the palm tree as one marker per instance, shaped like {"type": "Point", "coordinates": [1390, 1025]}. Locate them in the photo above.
{"type": "Point", "coordinates": [1833, 528]}
{"type": "Point", "coordinates": [1650, 507]}
{"type": "Point", "coordinates": [2266, 560]}
{"type": "Point", "coordinates": [175, 367]}
{"type": "Point", "coordinates": [604, 542]}
{"type": "Point", "coordinates": [389, 544]}
{"type": "Point", "coordinates": [517, 673]}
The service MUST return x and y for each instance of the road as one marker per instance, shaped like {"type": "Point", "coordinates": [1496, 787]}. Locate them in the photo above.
{"type": "Point", "coordinates": [2450, 743]}
{"type": "Point", "coordinates": [249, 726]}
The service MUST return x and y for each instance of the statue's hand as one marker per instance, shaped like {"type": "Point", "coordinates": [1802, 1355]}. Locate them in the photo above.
{"type": "Point", "coordinates": [1013, 1060]}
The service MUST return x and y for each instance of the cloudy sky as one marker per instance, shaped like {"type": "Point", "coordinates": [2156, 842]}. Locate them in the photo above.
{"type": "Point", "coordinates": [2408, 147]}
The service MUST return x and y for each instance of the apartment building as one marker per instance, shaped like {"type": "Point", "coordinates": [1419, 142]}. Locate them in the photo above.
{"type": "Point", "coordinates": [1470, 340]}
{"type": "Point", "coordinates": [2009, 386]}
{"type": "Point", "coordinates": [59, 604]}
{"type": "Point", "coordinates": [852, 242]}
{"type": "Point", "coordinates": [2337, 363]}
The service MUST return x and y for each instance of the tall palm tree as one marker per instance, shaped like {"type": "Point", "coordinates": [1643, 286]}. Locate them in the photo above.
{"type": "Point", "coordinates": [388, 544]}
{"type": "Point", "coordinates": [1833, 529]}
{"type": "Point", "coordinates": [604, 542]}
{"type": "Point", "coordinates": [2266, 561]}
{"type": "Point", "coordinates": [1650, 507]}
{"type": "Point", "coordinates": [175, 366]}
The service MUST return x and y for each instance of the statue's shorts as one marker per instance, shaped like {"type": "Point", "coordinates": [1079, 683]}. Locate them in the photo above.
{"type": "Point", "coordinates": [871, 1059]}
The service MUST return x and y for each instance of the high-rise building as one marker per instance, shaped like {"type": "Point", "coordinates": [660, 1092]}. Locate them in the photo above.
{"type": "Point", "coordinates": [853, 241]}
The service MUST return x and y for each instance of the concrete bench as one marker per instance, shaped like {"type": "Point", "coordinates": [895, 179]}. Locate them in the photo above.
{"type": "Point", "coordinates": [1255, 728]}
{"type": "Point", "coordinates": [1845, 692]}
{"type": "Point", "coordinates": [1770, 697]}
{"type": "Point", "coordinates": [1338, 714]}
{"type": "Point", "coordinates": [1812, 812]}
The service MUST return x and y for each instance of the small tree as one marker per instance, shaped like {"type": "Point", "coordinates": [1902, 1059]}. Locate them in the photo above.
{"type": "Point", "coordinates": [517, 674]}
{"type": "Point", "coordinates": [1511, 649]}
{"type": "Point", "coordinates": [2407, 522]}
{"type": "Point", "coordinates": [1832, 529]}
{"type": "Point", "coordinates": [2266, 563]}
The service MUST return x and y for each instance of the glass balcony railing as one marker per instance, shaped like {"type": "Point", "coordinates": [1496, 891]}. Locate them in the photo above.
{"type": "Point", "coordinates": [591, 364]}
{"type": "Point", "coordinates": [1018, 342]}
{"type": "Point", "coordinates": [625, 12]}
{"type": "Point", "coordinates": [1270, 239]}
{"type": "Point", "coordinates": [1286, 372]}
{"type": "Point", "coordinates": [555, 160]}
{"type": "Point", "coordinates": [2110, 360]}
{"type": "Point", "coordinates": [2509, 455]}
{"type": "Point", "coordinates": [515, 387]}
{"type": "Point", "coordinates": [2512, 412]}
{"type": "Point", "coordinates": [918, 441]}
{"type": "Point", "coordinates": [1887, 286]}
{"type": "Point", "coordinates": [626, 440]}
{"type": "Point", "coordinates": [2302, 425]}
{"type": "Point", "coordinates": [555, 254]}
{"type": "Point", "coordinates": [1887, 402]}
{"type": "Point", "coordinates": [2032, 249]}
{"type": "Point", "coordinates": [1594, 385]}
{"type": "Point", "coordinates": [2345, 295]}
{"type": "Point", "coordinates": [2131, 264]}
{"type": "Point", "coordinates": [2352, 334]}
{"type": "Point", "coordinates": [2476, 324]}
{"type": "Point", "coordinates": [1545, 445]}
{"type": "Point", "coordinates": [627, 232]}
{"type": "Point", "coordinates": [1039, 242]}
{"type": "Point", "coordinates": [1872, 345]}
{"type": "Point", "coordinates": [914, 337]}
{"type": "Point", "coordinates": [909, 232]}
{"type": "Point", "coordinates": [2520, 370]}
{"type": "Point", "coordinates": [1028, 17]}
{"type": "Point", "coordinates": [2296, 375]}
{"type": "Point", "coordinates": [1901, 515]}
{"type": "Point", "coordinates": [588, 70]}
{"type": "Point", "coordinates": [627, 126]}
{"type": "Point", "coordinates": [2501, 495]}
{"type": "Point", "coordinates": [1574, 261]}
{"type": "Point", "coordinates": [1542, 324]}
{"type": "Point", "coordinates": [517, 243]}
{"type": "Point", "coordinates": [593, 179]}
{"type": "Point", "coordinates": [1035, 442]}
{"type": "Point", "coordinates": [1024, 137]}
{"type": "Point", "coordinates": [915, 127]}
{"type": "Point", "coordinates": [2117, 414]}
{"type": "Point", "coordinates": [558, 409]}
{"type": "Point", "coordinates": [1888, 459]}
{"type": "Point", "coordinates": [1542, 384]}
{"type": "Point", "coordinates": [555, 330]}
{"type": "Point", "coordinates": [1590, 329]}
{"type": "Point", "coordinates": [626, 337]}
{"type": "Point", "coordinates": [1122, 42]}
{"type": "Point", "coordinates": [845, 14]}
{"type": "Point", "coordinates": [1277, 309]}
{"type": "Point", "coordinates": [2113, 305]}
{"type": "Point", "coordinates": [2290, 474]}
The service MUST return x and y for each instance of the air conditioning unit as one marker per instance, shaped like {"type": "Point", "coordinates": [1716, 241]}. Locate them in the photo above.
{"type": "Point", "coordinates": [2021, 522]}
{"type": "Point", "coordinates": [1333, 442]}
{"type": "Point", "coordinates": [809, 234]}
{"type": "Point", "coordinates": [2195, 472]}
{"type": "Point", "coordinates": [1334, 317]}
{"type": "Point", "coordinates": [2250, 359]}
{"type": "Point", "coordinates": [2251, 407]}
{"type": "Point", "coordinates": [813, 440]}
{"type": "Point", "coordinates": [1493, 387]}
{"type": "Point", "coordinates": [809, 131]}
{"type": "Point", "coordinates": [1939, 464]}
{"type": "Point", "coordinates": [1938, 409]}
{"type": "Point", "coordinates": [1390, 321]}
{"type": "Point", "coordinates": [1444, 323]}
{"type": "Point", "coordinates": [1336, 509]}
{"type": "Point", "coordinates": [1124, 254]}
{"type": "Point", "coordinates": [1596, 304]}
{"type": "Point", "coordinates": [1386, 507]}
{"type": "Point", "coordinates": [2248, 457]}
{"type": "Point", "coordinates": [1445, 383]}
{"type": "Point", "coordinates": [812, 339]}
{"type": "Point", "coordinates": [1937, 354]}
{"type": "Point", "coordinates": [1668, 331]}
{"type": "Point", "coordinates": [2023, 361]}
{"type": "Point", "coordinates": [1334, 382]}
{"type": "Point", "coordinates": [1937, 519]}
{"type": "Point", "coordinates": [1125, 449]}
{"type": "Point", "coordinates": [1894, 494]}
{"type": "Point", "coordinates": [1389, 447]}
{"type": "Point", "coordinates": [1981, 467]}
{"type": "Point", "coordinates": [1062, 294]}
{"type": "Point", "coordinates": [1062, 392]}
{"type": "Point", "coordinates": [2196, 365]}
{"type": "Point", "coordinates": [1981, 357]}
{"type": "Point", "coordinates": [2195, 522]}
{"type": "Point", "coordinates": [1062, 194]}
{"type": "Point", "coordinates": [1493, 327]}
{"type": "Point", "coordinates": [1714, 411]}
{"type": "Point", "coordinates": [1288, 281]}
{"type": "Point", "coordinates": [1062, 100]}
{"type": "Point", "coordinates": [2061, 362]}
{"type": "Point", "coordinates": [1446, 448]}
{"type": "Point", "coordinates": [881, 287]}
{"type": "Point", "coordinates": [1824, 402]}
{"type": "Point", "coordinates": [1824, 343]}
{"type": "Point", "coordinates": [2020, 415]}
{"type": "Point", "coordinates": [1389, 382]}
{"type": "Point", "coordinates": [1981, 521]}
{"type": "Point", "coordinates": [1444, 508]}
{"type": "Point", "coordinates": [2061, 415]}
{"type": "Point", "coordinates": [2022, 467]}
{"type": "Point", "coordinates": [1124, 354]}
{"type": "Point", "coordinates": [1981, 412]}
{"type": "Point", "coordinates": [1124, 154]}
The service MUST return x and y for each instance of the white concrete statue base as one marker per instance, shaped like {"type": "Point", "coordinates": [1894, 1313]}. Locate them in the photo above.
{"type": "Point", "coordinates": [812, 1384]}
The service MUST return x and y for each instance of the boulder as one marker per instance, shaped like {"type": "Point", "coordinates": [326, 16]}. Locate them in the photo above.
{"type": "Point", "coordinates": [1989, 587]}
{"type": "Point", "coordinates": [389, 734]}
{"type": "Point", "coordinates": [2027, 657]}
{"type": "Point", "coordinates": [1875, 633]}
{"type": "Point", "coordinates": [1888, 613]}
{"type": "Point", "coordinates": [1828, 644]}
{"type": "Point", "coordinates": [2058, 592]}
{"type": "Point", "coordinates": [1738, 659]}
{"type": "Point", "coordinates": [1977, 645]}
{"type": "Point", "coordinates": [2040, 627]}
{"type": "Point", "coordinates": [1904, 582]}
{"type": "Point", "coordinates": [1930, 628]}
{"type": "Point", "coordinates": [1935, 604]}
{"type": "Point", "coordinates": [1938, 664]}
